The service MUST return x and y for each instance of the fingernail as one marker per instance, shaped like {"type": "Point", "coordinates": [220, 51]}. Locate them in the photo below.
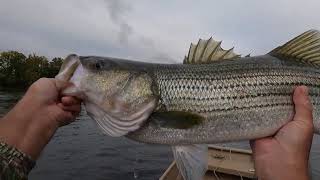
{"type": "Point", "coordinates": [303, 89]}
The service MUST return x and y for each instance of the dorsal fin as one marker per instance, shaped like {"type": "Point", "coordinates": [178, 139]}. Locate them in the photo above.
{"type": "Point", "coordinates": [304, 48]}
{"type": "Point", "coordinates": [206, 51]}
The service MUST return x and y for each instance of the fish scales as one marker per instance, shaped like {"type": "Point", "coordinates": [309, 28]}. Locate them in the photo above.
{"type": "Point", "coordinates": [244, 99]}
{"type": "Point", "coordinates": [214, 96]}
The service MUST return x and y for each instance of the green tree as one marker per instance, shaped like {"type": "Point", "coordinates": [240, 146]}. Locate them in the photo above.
{"type": "Point", "coordinates": [36, 67]}
{"type": "Point", "coordinates": [54, 66]}
{"type": "Point", "coordinates": [12, 68]}
{"type": "Point", "coordinates": [18, 70]}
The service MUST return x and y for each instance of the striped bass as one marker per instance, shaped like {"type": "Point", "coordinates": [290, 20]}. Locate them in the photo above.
{"type": "Point", "coordinates": [214, 96]}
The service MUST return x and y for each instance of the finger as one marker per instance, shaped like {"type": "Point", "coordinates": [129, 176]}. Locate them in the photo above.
{"type": "Point", "coordinates": [70, 100]}
{"type": "Point", "coordinates": [303, 107]}
{"type": "Point", "coordinates": [68, 118]}
{"type": "Point", "coordinates": [61, 84]}
{"type": "Point", "coordinates": [252, 144]}
{"type": "Point", "coordinates": [72, 108]}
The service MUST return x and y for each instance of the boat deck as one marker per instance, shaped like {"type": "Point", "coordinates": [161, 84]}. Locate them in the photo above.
{"type": "Point", "coordinates": [223, 164]}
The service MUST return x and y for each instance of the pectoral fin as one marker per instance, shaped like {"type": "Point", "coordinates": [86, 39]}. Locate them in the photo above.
{"type": "Point", "coordinates": [191, 160]}
{"type": "Point", "coordinates": [177, 119]}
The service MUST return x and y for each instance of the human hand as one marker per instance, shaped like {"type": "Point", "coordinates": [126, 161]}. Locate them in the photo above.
{"type": "Point", "coordinates": [32, 122]}
{"type": "Point", "coordinates": [286, 154]}
{"type": "Point", "coordinates": [45, 95]}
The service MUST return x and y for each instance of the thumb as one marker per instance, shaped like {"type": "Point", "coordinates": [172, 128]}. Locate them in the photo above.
{"type": "Point", "coordinates": [67, 88]}
{"type": "Point", "coordinates": [60, 84]}
{"type": "Point", "coordinates": [303, 107]}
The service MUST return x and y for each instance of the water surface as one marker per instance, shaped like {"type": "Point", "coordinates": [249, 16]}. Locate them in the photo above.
{"type": "Point", "coordinates": [81, 151]}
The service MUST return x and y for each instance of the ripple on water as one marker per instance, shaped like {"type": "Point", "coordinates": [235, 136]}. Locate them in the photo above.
{"type": "Point", "coordinates": [80, 151]}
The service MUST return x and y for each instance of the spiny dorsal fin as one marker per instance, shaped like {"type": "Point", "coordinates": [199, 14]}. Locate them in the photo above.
{"type": "Point", "coordinates": [305, 48]}
{"type": "Point", "coordinates": [206, 51]}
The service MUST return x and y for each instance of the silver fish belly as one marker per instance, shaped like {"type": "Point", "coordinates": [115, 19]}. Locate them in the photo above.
{"type": "Point", "coordinates": [214, 96]}
{"type": "Point", "coordinates": [242, 99]}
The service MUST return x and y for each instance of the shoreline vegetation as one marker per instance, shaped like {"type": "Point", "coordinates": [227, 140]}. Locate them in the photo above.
{"type": "Point", "coordinates": [19, 71]}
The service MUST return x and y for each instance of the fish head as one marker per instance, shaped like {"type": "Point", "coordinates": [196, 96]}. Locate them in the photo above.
{"type": "Point", "coordinates": [119, 94]}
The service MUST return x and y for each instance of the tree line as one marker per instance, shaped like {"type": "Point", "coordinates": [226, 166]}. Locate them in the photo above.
{"type": "Point", "coordinates": [19, 70]}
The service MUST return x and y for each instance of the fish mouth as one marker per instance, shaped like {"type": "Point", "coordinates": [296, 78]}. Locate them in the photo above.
{"type": "Point", "coordinates": [68, 67]}
{"type": "Point", "coordinates": [69, 76]}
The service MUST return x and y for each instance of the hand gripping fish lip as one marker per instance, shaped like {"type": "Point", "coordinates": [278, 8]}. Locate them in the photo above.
{"type": "Point", "coordinates": [214, 96]}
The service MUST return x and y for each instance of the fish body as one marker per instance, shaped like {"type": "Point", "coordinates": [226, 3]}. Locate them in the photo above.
{"type": "Point", "coordinates": [240, 99]}
{"type": "Point", "coordinates": [214, 96]}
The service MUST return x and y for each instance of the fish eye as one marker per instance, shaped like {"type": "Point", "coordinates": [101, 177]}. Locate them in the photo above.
{"type": "Point", "coordinates": [99, 65]}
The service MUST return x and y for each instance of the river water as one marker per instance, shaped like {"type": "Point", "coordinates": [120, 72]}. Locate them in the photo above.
{"type": "Point", "coordinates": [81, 151]}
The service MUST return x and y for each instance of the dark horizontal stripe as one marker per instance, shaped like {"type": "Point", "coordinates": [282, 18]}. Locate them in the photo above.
{"type": "Point", "coordinates": [246, 107]}
{"type": "Point", "coordinates": [231, 86]}
{"type": "Point", "coordinates": [239, 97]}
{"type": "Point", "coordinates": [218, 68]}
{"type": "Point", "coordinates": [233, 75]}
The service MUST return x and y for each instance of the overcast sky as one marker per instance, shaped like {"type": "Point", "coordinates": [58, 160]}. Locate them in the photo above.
{"type": "Point", "coordinates": [150, 30]}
